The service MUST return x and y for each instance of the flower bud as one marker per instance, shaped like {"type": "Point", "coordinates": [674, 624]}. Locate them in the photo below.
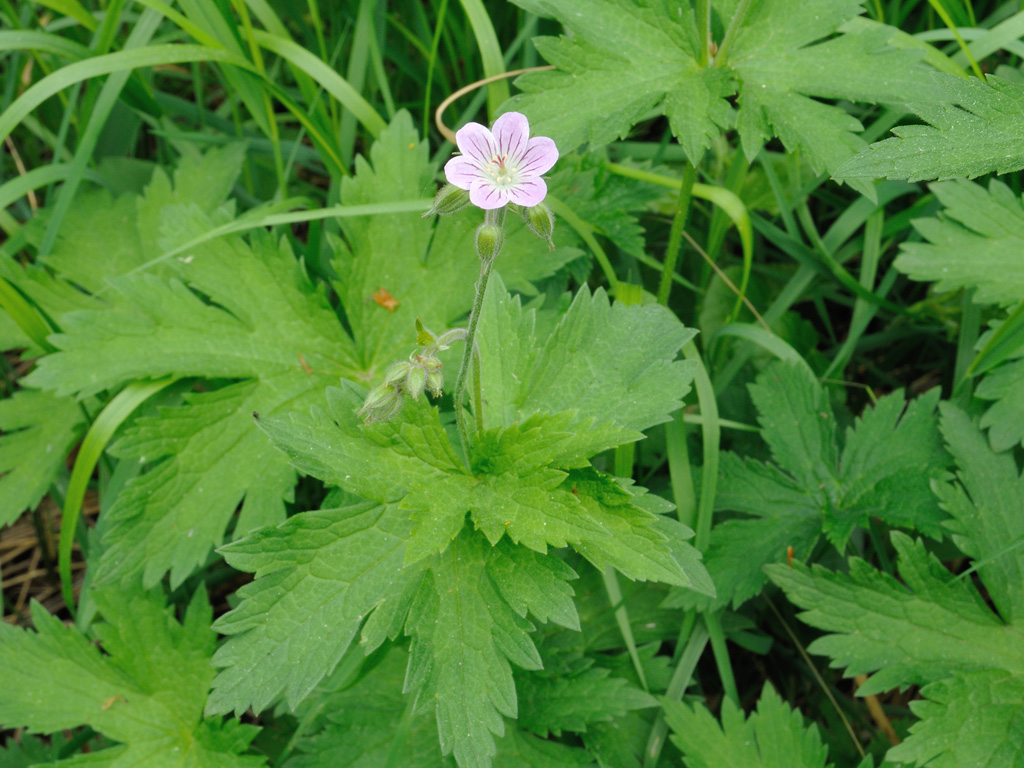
{"type": "Point", "coordinates": [415, 382]}
{"type": "Point", "coordinates": [395, 373]}
{"type": "Point", "coordinates": [428, 363]}
{"type": "Point", "coordinates": [382, 403]}
{"type": "Point", "coordinates": [435, 383]}
{"type": "Point", "coordinates": [541, 222]}
{"type": "Point", "coordinates": [449, 199]}
{"type": "Point", "coordinates": [489, 239]}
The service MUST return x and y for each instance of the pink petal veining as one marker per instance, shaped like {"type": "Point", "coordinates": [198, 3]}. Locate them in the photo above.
{"type": "Point", "coordinates": [540, 155]}
{"type": "Point", "coordinates": [462, 171]}
{"type": "Point", "coordinates": [501, 164]}
{"type": "Point", "coordinates": [484, 195]}
{"type": "Point", "coordinates": [511, 133]}
{"type": "Point", "coordinates": [528, 192]}
{"type": "Point", "coordinates": [476, 142]}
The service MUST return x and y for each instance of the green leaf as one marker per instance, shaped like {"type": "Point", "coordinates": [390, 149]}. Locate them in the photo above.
{"type": "Point", "coordinates": [215, 456]}
{"type": "Point", "coordinates": [604, 200]}
{"type": "Point", "coordinates": [38, 431]}
{"type": "Point", "coordinates": [463, 637]}
{"type": "Point", "coordinates": [522, 750]}
{"type": "Point", "coordinates": [206, 456]}
{"type": "Point", "coordinates": [617, 66]}
{"type": "Point", "coordinates": [147, 690]}
{"type": "Point", "coordinates": [973, 128]}
{"type": "Point", "coordinates": [942, 624]}
{"type": "Point", "coordinates": [1005, 417]}
{"type": "Point", "coordinates": [550, 705]}
{"type": "Point", "coordinates": [967, 656]}
{"type": "Point", "coordinates": [318, 575]}
{"type": "Point", "coordinates": [367, 722]}
{"type": "Point", "coordinates": [409, 461]}
{"type": "Point", "coordinates": [624, 61]}
{"type": "Point", "coordinates": [598, 350]}
{"type": "Point", "coordinates": [970, 718]}
{"type": "Point", "coordinates": [883, 470]}
{"type": "Point", "coordinates": [774, 736]}
{"type": "Point", "coordinates": [971, 243]}
{"type": "Point", "coordinates": [987, 510]}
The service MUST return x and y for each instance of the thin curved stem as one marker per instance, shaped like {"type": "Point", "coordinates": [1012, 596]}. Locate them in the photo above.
{"type": "Point", "coordinates": [675, 235]}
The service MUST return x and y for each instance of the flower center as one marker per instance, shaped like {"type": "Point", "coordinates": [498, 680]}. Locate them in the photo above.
{"type": "Point", "coordinates": [503, 175]}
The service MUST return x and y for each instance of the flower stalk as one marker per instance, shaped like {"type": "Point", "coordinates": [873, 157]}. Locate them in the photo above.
{"type": "Point", "coordinates": [495, 218]}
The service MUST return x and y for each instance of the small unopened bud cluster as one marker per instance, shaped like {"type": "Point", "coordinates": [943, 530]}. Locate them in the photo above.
{"type": "Point", "coordinates": [410, 378]}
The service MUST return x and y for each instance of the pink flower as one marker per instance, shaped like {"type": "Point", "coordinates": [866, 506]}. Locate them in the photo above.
{"type": "Point", "coordinates": [501, 165]}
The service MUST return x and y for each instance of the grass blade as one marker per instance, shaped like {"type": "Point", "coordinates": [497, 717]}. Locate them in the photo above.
{"type": "Point", "coordinates": [95, 442]}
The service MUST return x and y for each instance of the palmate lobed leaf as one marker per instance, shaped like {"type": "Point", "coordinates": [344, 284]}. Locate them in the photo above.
{"type": "Point", "coordinates": [976, 242]}
{"type": "Point", "coordinates": [463, 597]}
{"type": "Point", "coordinates": [205, 457]}
{"type": "Point", "coordinates": [598, 349]}
{"type": "Point", "coordinates": [627, 59]}
{"type": "Point", "coordinates": [571, 703]}
{"type": "Point", "coordinates": [410, 462]}
{"type": "Point", "coordinates": [1004, 419]}
{"type": "Point", "coordinates": [973, 243]}
{"type": "Point", "coordinates": [934, 629]}
{"type": "Point", "coordinates": [521, 485]}
{"type": "Point", "coordinates": [973, 128]}
{"type": "Point", "coordinates": [815, 486]}
{"type": "Point", "coordinates": [214, 457]}
{"type": "Point", "coordinates": [774, 736]}
{"type": "Point", "coordinates": [244, 310]}
{"type": "Point", "coordinates": [318, 576]}
{"type": "Point", "coordinates": [147, 691]}
{"type": "Point", "coordinates": [38, 431]}
{"type": "Point", "coordinates": [367, 723]}
{"type": "Point", "coordinates": [364, 723]}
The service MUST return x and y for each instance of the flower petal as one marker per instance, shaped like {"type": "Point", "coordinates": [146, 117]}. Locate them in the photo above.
{"type": "Point", "coordinates": [526, 192]}
{"type": "Point", "coordinates": [511, 134]}
{"type": "Point", "coordinates": [462, 172]}
{"type": "Point", "coordinates": [541, 153]}
{"type": "Point", "coordinates": [476, 142]}
{"type": "Point", "coordinates": [483, 194]}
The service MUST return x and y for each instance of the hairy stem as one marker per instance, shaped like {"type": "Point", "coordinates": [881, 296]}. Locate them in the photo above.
{"type": "Point", "coordinates": [496, 218]}
{"type": "Point", "coordinates": [703, 10]}
{"type": "Point", "coordinates": [467, 355]}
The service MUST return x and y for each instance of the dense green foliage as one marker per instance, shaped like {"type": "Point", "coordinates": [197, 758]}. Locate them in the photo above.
{"type": "Point", "coordinates": [763, 393]}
